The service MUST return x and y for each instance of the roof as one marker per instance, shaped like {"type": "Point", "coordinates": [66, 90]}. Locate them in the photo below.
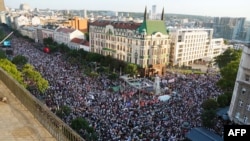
{"type": "Point", "coordinates": [153, 26]}
{"type": "Point", "coordinates": [80, 41]}
{"type": "Point", "coordinates": [202, 134]}
{"type": "Point", "coordinates": [65, 30]}
{"type": "Point", "coordinates": [117, 24]}
{"type": "Point", "coordinates": [222, 112]}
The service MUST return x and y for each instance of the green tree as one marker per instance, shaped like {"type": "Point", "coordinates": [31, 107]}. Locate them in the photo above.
{"type": "Point", "coordinates": [87, 36]}
{"type": "Point", "coordinates": [34, 79]}
{"type": "Point", "coordinates": [79, 123]}
{"type": "Point", "coordinates": [19, 61]}
{"type": "Point", "coordinates": [222, 100]}
{"type": "Point", "coordinates": [11, 69]}
{"type": "Point", "coordinates": [48, 41]}
{"type": "Point", "coordinates": [210, 104]}
{"type": "Point", "coordinates": [63, 111]}
{"type": "Point", "coordinates": [228, 76]}
{"type": "Point", "coordinates": [208, 118]}
{"type": "Point", "coordinates": [228, 56]}
{"type": "Point", "coordinates": [2, 54]}
{"type": "Point", "coordinates": [131, 69]}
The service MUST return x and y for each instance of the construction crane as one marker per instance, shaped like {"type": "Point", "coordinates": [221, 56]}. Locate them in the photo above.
{"type": "Point", "coordinates": [6, 37]}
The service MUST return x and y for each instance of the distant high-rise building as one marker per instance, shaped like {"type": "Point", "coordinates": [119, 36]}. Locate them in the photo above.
{"type": "Point", "coordinates": [229, 28]}
{"type": "Point", "coordinates": [153, 12]}
{"type": "Point", "coordinates": [2, 5]}
{"type": "Point", "coordinates": [239, 110]}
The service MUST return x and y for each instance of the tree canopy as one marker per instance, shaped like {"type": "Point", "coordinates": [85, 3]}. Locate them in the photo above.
{"type": "Point", "coordinates": [11, 69]}
{"type": "Point", "coordinates": [131, 69]}
{"type": "Point", "coordinates": [19, 61]}
{"type": "Point", "coordinates": [228, 76]}
{"type": "Point", "coordinates": [34, 78]}
{"type": "Point", "coordinates": [228, 56]}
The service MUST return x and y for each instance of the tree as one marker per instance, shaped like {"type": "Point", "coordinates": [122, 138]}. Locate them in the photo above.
{"type": "Point", "coordinates": [79, 123]}
{"type": "Point", "coordinates": [208, 117]}
{"type": "Point", "coordinates": [34, 78]}
{"type": "Point", "coordinates": [63, 111]}
{"type": "Point", "coordinates": [19, 61]}
{"type": "Point", "coordinates": [2, 54]}
{"type": "Point", "coordinates": [11, 69]}
{"type": "Point", "coordinates": [48, 41]}
{"type": "Point", "coordinates": [228, 76]}
{"type": "Point", "coordinates": [222, 100]}
{"type": "Point", "coordinates": [210, 104]}
{"type": "Point", "coordinates": [228, 56]}
{"type": "Point", "coordinates": [131, 69]}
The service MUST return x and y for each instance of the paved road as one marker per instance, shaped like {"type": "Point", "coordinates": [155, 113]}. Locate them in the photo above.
{"type": "Point", "coordinates": [17, 123]}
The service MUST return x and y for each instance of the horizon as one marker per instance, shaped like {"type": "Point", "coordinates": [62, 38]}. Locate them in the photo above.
{"type": "Point", "coordinates": [212, 8]}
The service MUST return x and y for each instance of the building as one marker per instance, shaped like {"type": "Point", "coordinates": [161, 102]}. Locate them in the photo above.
{"type": "Point", "coordinates": [46, 31]}
{"type": "Point", "coordinates": [65, 35]}
{"type": "Point", "coordinates": [77, 23]}
{"type": "Point", "coordinates": [146, 44]}
{"type": "Point", "coordinates": [153, 12]}
{"type": "Point", "coordinates": [191, 46]}
{"type": "Point", "coordinates": [229, 28]}
{"type": "Point", "coordinates": [239, 110]}
{"type": "Point", "coordinates": [2, 5]}
{"type": "Point", "coordinates": [77, 44]}
{"type": "Point", "coordinates": [20, 21]}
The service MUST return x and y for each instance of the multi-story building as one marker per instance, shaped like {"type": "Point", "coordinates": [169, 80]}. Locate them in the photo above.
{"type": "Point", "coordinates": [45, 32]}
{"type": "Point", "coordinates": [239, 110]}
{"type": "Point", "coordinates": [192, 45]}
{"type": "Point", "coordinates": [229, 28]}
{"type": "Point", "coordinates": [77, 44]}
{"type": "Point", "coordinates": [77, 23]}
{"type": "Point", "coordinates": [146, 44]}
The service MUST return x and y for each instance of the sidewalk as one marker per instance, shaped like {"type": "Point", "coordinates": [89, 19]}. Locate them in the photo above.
{"type": "Point", "coordinates": [17, 123]}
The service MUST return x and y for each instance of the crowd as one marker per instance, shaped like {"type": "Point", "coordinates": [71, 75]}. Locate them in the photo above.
{"type": "Point", "coordinates": [119, 116]}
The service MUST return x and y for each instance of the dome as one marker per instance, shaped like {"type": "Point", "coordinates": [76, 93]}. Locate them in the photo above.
{"type": "Point", "coordinates": [25, 6]}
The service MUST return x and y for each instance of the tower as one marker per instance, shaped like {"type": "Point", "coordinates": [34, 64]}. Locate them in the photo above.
{"type": "Point", "coordinates": [2, 5]}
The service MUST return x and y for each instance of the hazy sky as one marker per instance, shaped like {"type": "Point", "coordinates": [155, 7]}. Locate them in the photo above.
{"type": "Point", "coordinates": [229, 8]}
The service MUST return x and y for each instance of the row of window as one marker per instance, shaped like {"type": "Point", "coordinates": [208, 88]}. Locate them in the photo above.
{"type": "Point", "coordinates": [241, 104]}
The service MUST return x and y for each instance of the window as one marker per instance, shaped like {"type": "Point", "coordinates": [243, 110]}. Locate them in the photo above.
{"type": "Point", "coordinates": [245, 119]}
{"type": "Point", "coordinates": [243, 91]}
{"type": "Point", "coordinates": [248, 107]}
{"type": "Point", "coordinates": [240, 103]}
{"type": "Point", "coordinates": [247, 77]}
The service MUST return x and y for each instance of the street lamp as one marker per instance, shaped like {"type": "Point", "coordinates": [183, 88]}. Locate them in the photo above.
{"type": "Point", "coordinates": [136, 56]}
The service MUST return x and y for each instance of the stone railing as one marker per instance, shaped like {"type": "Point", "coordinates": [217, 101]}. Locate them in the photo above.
{"type": "Point", "coordinates": [55, 126]}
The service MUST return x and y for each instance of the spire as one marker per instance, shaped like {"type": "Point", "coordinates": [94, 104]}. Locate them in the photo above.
{"type": "Point", "coordinates": [145, 13]}
{"type": "Point", "coordinates": [162, 15]}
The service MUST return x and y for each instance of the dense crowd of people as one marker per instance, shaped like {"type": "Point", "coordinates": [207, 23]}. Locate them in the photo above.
{"type": "Point", "coordinates": [120, 115]}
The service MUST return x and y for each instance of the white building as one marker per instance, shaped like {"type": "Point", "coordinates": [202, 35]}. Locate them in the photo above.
{"type": "Point", "coordinates": [35, 21]}
{"type": "Point", "coordinates": [65, 35]}
{"type": "Point", "coordinates": [77, 44]}
{"type": "Point", "coordinates": [20, 21]}
{"type": "Point", "coordinates": [239, 110]}
{"type": "Point", "coordinates": [193, 45]}
{"type": "Point", "coordinates": [28, 31]}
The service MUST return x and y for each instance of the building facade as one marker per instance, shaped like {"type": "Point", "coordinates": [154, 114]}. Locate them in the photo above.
{"type": "Point", "coordinates": [65, 35]}
{"type": "Point", "coordinates": [146, 44]}
{"type": "Point", "coordinates": [192, 45]}
{"type": "Point", "coordinates": [239, 110]}
{"type": "Point", "coordinates": [77, 23]}
{"type": "Point", "coordinates": [2, 5]}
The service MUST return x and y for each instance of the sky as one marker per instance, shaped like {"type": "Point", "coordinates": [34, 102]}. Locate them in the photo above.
{"type": "Point", "coordinates": [218, 8]}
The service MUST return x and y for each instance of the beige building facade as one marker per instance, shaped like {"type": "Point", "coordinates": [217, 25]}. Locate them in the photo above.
{"type": "Point", "coordinates": [146, 44]}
